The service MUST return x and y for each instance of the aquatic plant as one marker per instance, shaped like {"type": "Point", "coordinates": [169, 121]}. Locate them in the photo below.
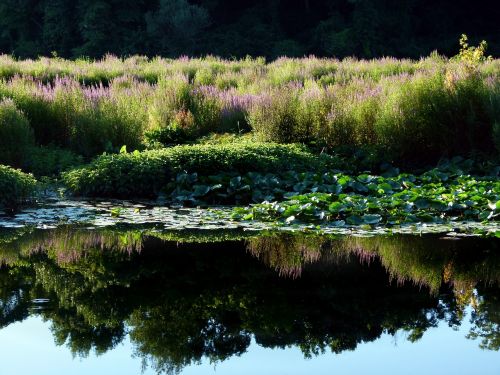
{"type": "Point", "coordinates": [342, 200]}
{"type": "Point", "coordinates": [145, 174]}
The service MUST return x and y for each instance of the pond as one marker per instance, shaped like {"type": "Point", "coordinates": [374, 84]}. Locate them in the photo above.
{"type": "Point", "coordinates": [130, 299]}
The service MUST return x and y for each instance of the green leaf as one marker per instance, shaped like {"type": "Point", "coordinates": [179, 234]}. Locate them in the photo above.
{"type": "Point", "coordinates": [486, 215]}
{"type": "Point", "coordinates": [422, 203]}
{"type": "Point", "coordinates": [365, 178]}
{"type": "Point", "coordinates": [372, 219]}
{"type": "Point", "coordinates": [359, 187]}
{"type": "Point", "coordinates": [336, 207]}
{"type": "Point", "coordinates": [200, 190]}
{"type": "Point", "coordinates": [235, 182]}
{"type": "Point", "coordinates": [354, 220]}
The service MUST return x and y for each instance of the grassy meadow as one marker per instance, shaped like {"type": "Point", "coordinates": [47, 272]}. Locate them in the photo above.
{"type": "Point", "coordinates": [427, 108]}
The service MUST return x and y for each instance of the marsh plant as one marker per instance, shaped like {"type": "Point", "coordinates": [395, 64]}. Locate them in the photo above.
{"type": "Point", "coordinates": [16, 135]}
{"type": "Point", "coordinates": [410, 109]}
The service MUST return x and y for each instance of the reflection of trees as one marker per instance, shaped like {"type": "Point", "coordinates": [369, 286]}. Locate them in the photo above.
{"type": "Point", "coordinates": [15, 296]}
{"type": "Point", "coordinates": [486, 318]}
{"type": "Point", "coordinates": [184, 302]}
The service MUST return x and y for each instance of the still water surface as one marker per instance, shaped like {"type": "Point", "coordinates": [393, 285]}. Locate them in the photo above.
{"type": "Point", "coordinates": [76, 301]}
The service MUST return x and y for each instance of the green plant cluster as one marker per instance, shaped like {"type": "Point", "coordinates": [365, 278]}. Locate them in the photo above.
{"type": "Point", "coordinates": [15, 187]}
{"type": "Point", "coordinates": [436, 197]}
{"type": "Point", "coordinates": [50, 161]}
{"type": "Point", "coordinates": [145, 174]}
{"type": "Point", "coordinates": [16, 135]}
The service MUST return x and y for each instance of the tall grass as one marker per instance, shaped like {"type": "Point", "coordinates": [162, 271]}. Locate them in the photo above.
{"type": "Point", "coordinates": [428, 108]}
{"type": "Point", "coordinates": [16, 135]}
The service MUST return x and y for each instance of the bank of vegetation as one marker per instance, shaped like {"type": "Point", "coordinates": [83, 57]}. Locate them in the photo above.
{"type": "Point", "coordinates": [213, 131]}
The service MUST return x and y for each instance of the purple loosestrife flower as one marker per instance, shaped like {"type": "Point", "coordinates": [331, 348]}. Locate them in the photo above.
{"type": "Point", "coordinates": [95, 94]}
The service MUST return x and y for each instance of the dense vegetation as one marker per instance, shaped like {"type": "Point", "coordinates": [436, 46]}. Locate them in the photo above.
{"type": "Point", "coordinates": [364, 28]}
{"type": "Point", "coordinates": [15, 187]}
{"type": "Point", "coordinates": [409, 109]}
{"type": "Point", "coordinates": [434, 197]}
{"type": "Point", "coordinates": [347, 142]}
{"type": "Point", "coordinates": [146, 174]}
{"type": "Point", "coordinates": [213, 131]}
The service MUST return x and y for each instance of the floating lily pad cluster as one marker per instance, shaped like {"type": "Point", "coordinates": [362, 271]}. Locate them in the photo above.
{"type": "Point", "coordinates": [232, 188]}
{"type": "Point", "coordinates": [433, 197]}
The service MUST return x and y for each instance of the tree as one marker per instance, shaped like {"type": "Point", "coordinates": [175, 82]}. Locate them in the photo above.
{"type": "Point", "coordinates": [58, 32]}
{"type": "Point", "coordinates": [20, 23]}
{"type": "Point", "coordinates": [97, 28]}
{"type": "Point", "coordinates": [174, 28]}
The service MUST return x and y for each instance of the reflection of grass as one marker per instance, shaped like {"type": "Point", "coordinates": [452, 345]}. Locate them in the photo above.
{"type": "Point", "coordinates": [287, 254]}
{"type": "Point", "coordinates": [203, 236]}
{"type": "Point", "coordinates": [425, 261]}
{"type": "Point", "coordinates": [68, 244]}
{"type": "Point", "coordinates": [432, 262]}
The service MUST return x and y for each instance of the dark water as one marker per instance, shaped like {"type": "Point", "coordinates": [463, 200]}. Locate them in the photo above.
{"type": "Point", "coordinates": [75, 301]}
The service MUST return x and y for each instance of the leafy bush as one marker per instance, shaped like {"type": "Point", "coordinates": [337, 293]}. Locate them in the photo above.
{"type": "Point", "coordinates": [16, 135]}
{"type": "Point", "coordinates": [144, 174]}
{"type": "Point", "coordinates": [15, 187]}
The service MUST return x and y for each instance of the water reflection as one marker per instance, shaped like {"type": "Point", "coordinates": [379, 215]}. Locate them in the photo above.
{"type": "Point", "coordinates": [185, 296]}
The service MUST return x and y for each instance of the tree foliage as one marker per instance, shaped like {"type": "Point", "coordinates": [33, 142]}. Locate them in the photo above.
{"type": "Point", "coordinates": [365, 28]}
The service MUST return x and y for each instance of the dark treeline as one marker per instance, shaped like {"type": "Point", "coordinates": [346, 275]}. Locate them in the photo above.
{"type": "Point", "coordinates": [271, 28]}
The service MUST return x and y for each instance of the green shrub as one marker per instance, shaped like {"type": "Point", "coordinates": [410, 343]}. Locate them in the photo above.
{"type": "Point", "coordinates": [171, 99]}
{"type": "Point", "coordinates": [50, 161]}
{"type": "Point", "coordinates": [16, 135]}
{"type": "Point", "coordinates": [166, 136]}
{"type": "Point", "coordinates": [144, 174]}
{"type": "Point", "coordinates": [409, 113]}
{"type": "Point", "coordinates": [15, 187]}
